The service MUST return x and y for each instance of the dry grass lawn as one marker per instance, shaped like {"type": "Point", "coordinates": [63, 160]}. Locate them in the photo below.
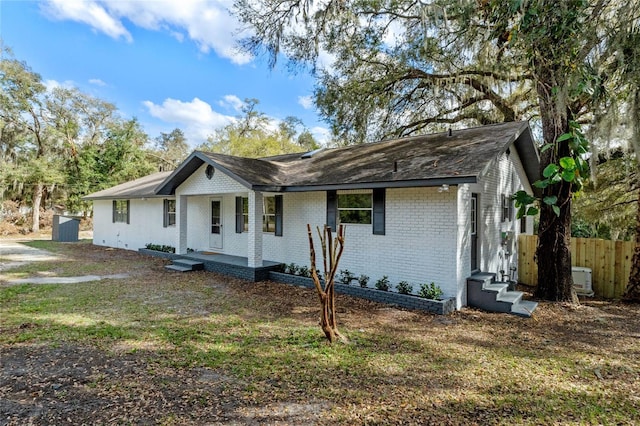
{"type": "Point", "coordinates": [199, 348]}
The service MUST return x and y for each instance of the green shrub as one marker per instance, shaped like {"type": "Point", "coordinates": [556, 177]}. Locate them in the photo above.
{"type": "Point", "coordinates": [404, 287]}
{"type": "Point", "coordinates": [430, 291]}
{"type": "Point", "coordinates": [383, 283]}
{"type": "Point", "coordinates": [162, 248]}
{"type": "Point", "coordinates": [292, 269]}
{"type": "Point", "coordinates": [363, 280]}
{"type": "Point", "coordinates": [304, 271]}
{"type": "Point", "coordinates": [346, 276]}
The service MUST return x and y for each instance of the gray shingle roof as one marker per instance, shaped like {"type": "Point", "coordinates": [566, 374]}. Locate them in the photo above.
{"type": "Point", "coordinates": [426, 160]}
{"type": "Point", "coordinates": [144, 187]}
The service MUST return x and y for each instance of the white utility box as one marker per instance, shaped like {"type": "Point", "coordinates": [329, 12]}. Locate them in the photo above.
{"type": "Point", "coordinates": [582, 280]}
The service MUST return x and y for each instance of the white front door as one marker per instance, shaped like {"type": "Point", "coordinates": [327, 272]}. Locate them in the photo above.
{"type": "Point", "coordinates": [215, 235]}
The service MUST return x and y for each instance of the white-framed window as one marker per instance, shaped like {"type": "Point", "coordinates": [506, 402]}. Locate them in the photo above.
{"type": "Point", "coordinates": [121, 211]}
{"type": "Point", "coordinates": [169, 213]}
{"type": "Point", "coordinates": [269, 214]}
{"type": "Point", "coordinates": [356, 208]}
{"type": "Point", "coordinates": [507, 208]}
{"type": "Point", "coordinates": [245, 214]}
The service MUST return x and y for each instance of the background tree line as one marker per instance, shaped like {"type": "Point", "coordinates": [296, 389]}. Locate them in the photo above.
{"type": "Point", "coordinates": [59, 144]}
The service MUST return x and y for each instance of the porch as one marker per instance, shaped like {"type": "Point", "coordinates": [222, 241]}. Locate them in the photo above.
{"type": "Point", "coordinates": [235, 266]}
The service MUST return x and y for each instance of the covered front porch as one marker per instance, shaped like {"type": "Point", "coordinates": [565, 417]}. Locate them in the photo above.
{"type": "Point", "coordinates": [235, 266]}
{"type": "Point", "coordinates": [223, 230]}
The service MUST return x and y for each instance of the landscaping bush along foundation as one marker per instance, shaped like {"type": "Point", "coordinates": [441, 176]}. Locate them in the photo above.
{"type": "Point", "coordinates": [442, 307]}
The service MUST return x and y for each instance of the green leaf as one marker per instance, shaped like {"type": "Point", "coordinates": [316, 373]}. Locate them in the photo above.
{"type": "Point", "coordinates": [542, 184]}
{"type": "Point", "coordinates": [532, 211]}
{"type": "Point", "coordinates": [563, 137]}
{"type": "Point", "coordinates": [556, 210]}
{"type": "Point", "coordinates": [546, 147]}
{"type": "Point", "coordinates": [568, 175]}
{"type": "Point", "coordinates": [550, 170]}
{"type": "Point", "coordinates": [550, 200]}
{"type": "Point", "coordinates": [568, 163]}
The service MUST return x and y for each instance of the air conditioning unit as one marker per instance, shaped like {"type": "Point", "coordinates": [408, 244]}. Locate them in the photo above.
{"type": "Point", "coordinates": [582, 280]}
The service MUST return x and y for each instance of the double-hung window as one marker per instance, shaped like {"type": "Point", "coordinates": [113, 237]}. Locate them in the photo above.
{"type": "Point", "coordinates": [355, 208]}
{"type": "Point", "coordinates": [269, 214]}
{"type": "Point", "coordinates": [120, 211]}
{"type": "Point", "coordinates": [169, 213]}
{"type": "Point", "coordinates": [361, 207]}
{"type": "Point", "coordinates": [507, 209]}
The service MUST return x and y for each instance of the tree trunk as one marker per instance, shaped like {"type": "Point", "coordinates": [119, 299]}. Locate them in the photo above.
{"type": "Point", "coordinates": [37, 200]}
{"type": "Point", "coordinates": [553, 253]}
{"type": "Point", "coordinates": [632, 292]}
{"type": "Point", "coordinates": [331, 252]}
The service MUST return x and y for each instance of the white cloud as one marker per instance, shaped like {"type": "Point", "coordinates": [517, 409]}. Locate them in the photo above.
{"type": "Point", "coordinates": [196, 118]}
{"type": "Point", "coordinates": [233, 102]}
{"type": "Point", "coordinates": [92, 13]}
{"type": "Point", "coordinates": [306, 101]}
{"type": "Point", "coordinates": [97, 82]}
{"type": "Point", "coordinates": [52, 84]}
{"type": "Point", "coordinates": [206, 22]}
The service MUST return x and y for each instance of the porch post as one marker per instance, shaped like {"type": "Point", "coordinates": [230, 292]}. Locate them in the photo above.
{"type": "Point", "coordinates": [254, 246]}
{"type": "Point", "coordinates": [181, 224]}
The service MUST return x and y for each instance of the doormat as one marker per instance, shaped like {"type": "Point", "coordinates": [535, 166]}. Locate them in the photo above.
{"type": "Point", "coordinates": [209, 252]}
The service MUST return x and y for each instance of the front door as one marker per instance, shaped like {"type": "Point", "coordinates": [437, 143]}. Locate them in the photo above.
{"type": "Point", "coordinates": [215, 236]}
{"type": "Point", "coordinates": [474, 232]}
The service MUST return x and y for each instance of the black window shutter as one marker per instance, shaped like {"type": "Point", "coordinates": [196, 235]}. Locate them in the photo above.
{"type": "Point", "coordinates": [278, 232]}
{"type": "Point", "coordinates": [114, 208]}
{"type": "Point", "coordinates": [165, 213]}
{"type": "Point", "coordinates": [239, 216]}
{"type": "Point", "coordinates": [128, 212]}
{"type": "Point", "coordinates": [379, 195]}
{"type": "Point", "coordinates": [332, 209]}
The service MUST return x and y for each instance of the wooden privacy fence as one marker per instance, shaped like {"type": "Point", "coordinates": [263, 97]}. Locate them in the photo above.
{"type": "Point", "coordinates": [609, 261]}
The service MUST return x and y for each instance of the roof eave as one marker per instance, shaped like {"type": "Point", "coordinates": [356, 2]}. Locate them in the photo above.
{"type": "Point", "coordinates": [124, 197]}
{"type": "Point", "coordinates": [457, 180]}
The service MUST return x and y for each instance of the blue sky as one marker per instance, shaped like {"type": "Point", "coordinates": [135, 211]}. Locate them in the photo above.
{"type": "Point", "coordinates": [169, 63]}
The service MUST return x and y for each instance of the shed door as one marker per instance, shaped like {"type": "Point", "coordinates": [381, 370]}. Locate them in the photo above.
{"type": "Point", "coordinates": [474, 232]}
{"type": "Point", "coordinates": [215, 236]}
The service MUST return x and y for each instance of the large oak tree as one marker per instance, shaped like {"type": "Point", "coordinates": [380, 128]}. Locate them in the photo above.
{"type": "Point", "coordinates": [403, 66]}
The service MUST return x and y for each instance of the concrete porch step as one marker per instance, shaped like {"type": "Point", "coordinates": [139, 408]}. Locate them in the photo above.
{"type": "Point", "coordinates": [485, 293]}
{"type": "Point", "coordinates": [195, 265]}
{"type": "Point", "coordinates": [185, 265]}
{"type": "Point", "coordinates": [178, 268]}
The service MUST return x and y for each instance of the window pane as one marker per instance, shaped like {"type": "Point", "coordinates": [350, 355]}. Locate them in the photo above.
{"type": "Point", "coordinates": [355, 216]}
{"type": "Point", "coordinates": [269, 205]}
{"type": "Point", "coordinates": [354, 201]}
{"type": "Point", "coordinates": [268, 223]}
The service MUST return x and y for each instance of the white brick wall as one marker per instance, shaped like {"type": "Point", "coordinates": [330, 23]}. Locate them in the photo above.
{"type": "Point", "coordinates": [419, 245]}
{"type": "Point", "coordinates": [146, 220]}
{"type": "Point", "coordinates": [506, 177]}
{"type": "Point", "coordinates": [199, 191]}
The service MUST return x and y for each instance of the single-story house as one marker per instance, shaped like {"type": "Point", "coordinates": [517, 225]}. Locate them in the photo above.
{"type": "Point", "coordinates": [430, 208]}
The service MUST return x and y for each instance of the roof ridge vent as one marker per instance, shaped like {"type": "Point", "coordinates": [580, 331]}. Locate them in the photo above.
{"type": "Point", "coordinates": [311, 153]}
